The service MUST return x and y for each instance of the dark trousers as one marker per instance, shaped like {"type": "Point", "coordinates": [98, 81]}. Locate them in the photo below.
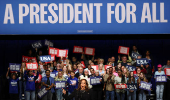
{"type": "Point", "coordinates": [166, 92]}
{"type": "Point", "coordinates": [14, 96]}
{"type": "Point", "coordinates": [97, 94]}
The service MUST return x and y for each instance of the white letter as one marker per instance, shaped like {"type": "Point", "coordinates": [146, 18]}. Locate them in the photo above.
{"type": "Point", "coordinates": [109, 12]}
{"type": "Point", "coordinates": [128, 12]}
{"type": "Point", "coordinates": [42, 13]}
{"type": "Point", "coordinates": [8, 9]}
{"type": "Point", "coordinates": [60, 13]}
{"type": "Point", "coordinates": [98, 11]}
{"type": "Point", "coordinates": [154, 13]}
{"type": "Point", "coordinates": [77, 12]}
{"type": "Point", "coordinates": [65, 13]}
{"type": "Point", "coordinates": [162, 13]}
{"type": "Point", "coordinates": [34, 13]}
{"type": "Point", "coordinates": [52, 13]}
{"type": "Point", "coordinates": [21, 14]}
{"type": "Point", "coordinates": [86, 12]}
{"type": "Point", "coordinates": [146, 9]}
{"type": "Point", "coordinates": [122, 12]}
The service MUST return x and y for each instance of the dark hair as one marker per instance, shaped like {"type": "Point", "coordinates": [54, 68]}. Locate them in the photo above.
{"type": "Point", "coordinates": [47, 70]}
{"type": "Point", "coordinates": [91, 68]}
{"type": "Point", "coordinates": [79, 85]}
{"type": "Point", "coordinates": [124, 56]}
{"type": "Point", "coordinates": [123, 77]}
{"type": "Point", "coordinates": [133, 80]}
{"type": "Point", "coordinates": [72, 72]}
{"type": "Point", "coordinates": [14, 74]}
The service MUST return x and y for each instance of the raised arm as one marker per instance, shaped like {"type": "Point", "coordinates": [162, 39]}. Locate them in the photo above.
{"type": "Point", "coordinates": [7, 73]}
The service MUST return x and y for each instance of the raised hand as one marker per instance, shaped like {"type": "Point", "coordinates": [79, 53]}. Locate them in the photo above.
{"type": "Point", "coordinates": [64, 91]}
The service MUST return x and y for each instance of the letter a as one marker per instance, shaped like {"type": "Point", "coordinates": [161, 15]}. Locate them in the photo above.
{"type": "Point", "coordinates": [10, 16]}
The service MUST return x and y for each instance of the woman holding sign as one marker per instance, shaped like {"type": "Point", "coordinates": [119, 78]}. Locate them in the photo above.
{"type": "Point", "coordinates": [81, 93]}
{"type": "Point", "coordinates": [159, 84]}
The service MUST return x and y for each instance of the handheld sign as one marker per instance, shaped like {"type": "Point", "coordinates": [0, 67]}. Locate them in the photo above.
{"type": "Point", "coordinates": [95, 80]}
{"type": "Point", "coordinates": [145, 86]}
{"type": "Point", "coordinates": [37, 44]}
{"type": "Point", "coordinates": [32, 66]}
{"type": "Point", "coordinates": [135, 55]}
{"type": "Point", "coordinates": [46, 58]}
{"type": "Point", "coordinates": [95, 67]}
{"type": "Point", "coordinates": [25, 59]}
{"type": "Point", "coordinates": [136, 76]}
{"type": "Point", "coordinates": [53, 51]}
{"type": "Point", "coordinates": [167, 71]}
{"type": "Point", "coordinates": [77, 49]}
{"type": "Point", "coordinates": [62, 53]}
{"type": "Point", "coordinates": [131, 86]}
{"type": "Point", "coordinates": [89, 51]}
{"type": "Point", "coordinates": [48, 43]}
{"type": "Point", "coordinates": [161, 78]}
{"type": "Point", "coordinates": [14, 67]}
{"type": "Point", "coordinates": [42, 92]}
{"type": "Point", "coordinates": [142, 61]}
{"type": "Point", "coordinates": [82, 64]}
{"type": "Point", "coordinates": [41, 67]}
{"type": "Point", "coordinates": [131, 68]}
{"type": "Point", "coordinates": [60, 84]}
{"type": "Point", "coordinates": [107, 66]}
{"type": "Point", "coordinates": [53, 74]}
{"type": "Point", "coordinates": [73, 82]}
{"type": "Point", "coordinates": [120, 86]}
{"type": "Point", "coordinates": [123, 50]}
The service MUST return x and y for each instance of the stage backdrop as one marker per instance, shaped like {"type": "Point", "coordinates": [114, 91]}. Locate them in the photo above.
{"type": "Point", "coordinates": [84, 17]}
{"type": "Point", "coordinates": [12, 50]}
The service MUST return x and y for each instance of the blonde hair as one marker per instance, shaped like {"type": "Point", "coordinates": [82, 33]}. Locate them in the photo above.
{"type": "Point", "coordinates": [102, 66]}
{"type": "Point", "coordinates": [127, 73]}
{"type": "Point", "coordinates": [101, 60]}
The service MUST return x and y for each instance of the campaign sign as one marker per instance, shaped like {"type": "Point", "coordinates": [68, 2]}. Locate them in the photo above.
{"type": "Point", "coordinates": [161, 78]}
{"type": "Point", "coordinates": [37, 44]}
{"type": "Point", "coordinates": [131, 86]}
{"type": "Point", "coordinates": [167, 71]}
{"type": "Point", "coordinates": [73, 82]}
{"type": "Point", "coordinates": [82, 64]}
{"type": "Point", "coordinates": [95, 80]}
{"type": "Point", "coordinates": [62, 53]}
{"type": "Point", "coordinates": [107, 66]}
{"type": "Point", "coordinates": [89, 51]}
{"type": "Point", "coordinates": [136, 76]}
{"type": "Point", "coordinates": [77, 49]}
{"type": "Point", "coordinates": [123, 50]}
{"type": "Point", "coordinates": [53, 51]}
{"type": "Point", "coordinates": [142, 61]}
{"type": "Point", "coordinates": [53, 74]}
{"type": "Point", "coordinates": [60, 84]}
{"type": "Point", "coordinates": [131, 68]}
{"type": "Point", "coordinates": [120, 86]}
{"type": "Point", "coordinates": [135, 55]}
{"type": "Point", "coordinates": [32, 66]}
{"type": "Point", "coordinates": [14, 67]}
{"type": "Point", "coordinates": [42, 92]}
{"type": "Point", "coordinates": [95, 67]}
{"type": "Point", "coordinates": [41, 67]}
{"type": "Point", "coordinates": [145, 86]}
{"type": "Point", "coordinates": [25, 59]}
{"type": "Point", "coordinates": [48, 43]}
{"type": "Point", "coordinates": [46, 58]}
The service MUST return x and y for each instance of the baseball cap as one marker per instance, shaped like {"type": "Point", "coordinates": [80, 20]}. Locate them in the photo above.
{"type": "Point", "coordinates": [159, 66]}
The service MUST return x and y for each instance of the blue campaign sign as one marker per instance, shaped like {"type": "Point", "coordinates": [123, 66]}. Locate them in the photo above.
{"type": "Point", "coordinates": [161, 78]}
{"type": "Point", "coordinates": [54, 74]}
{"type": "Point", "coordinates": [37, 44]}
{"type": "Point", "coordinates": [145, 86]}
{"type": "Point", "coordinates": [131, 86]}
{"type": "Point", "coordinates": [84, 17]}
{"type": "Point", "coordinates": [46, 58]}
{"type": "Point", "coordinates": [95, 80]}
{"type": "Point", "coordinates": [42, 92]}
{"type": "Point", "coordinates": [135, 55]}
{"type": "Point", "coordinates": [131, 68]}
{"type": "Point", "coordinates": [48, 43]}
{"type": "Point", "coordinates": [14, 67]}
{"type": "Point", "coordinates": [60, 84]}
{"type": "Point", "coordinates": [142, 61]}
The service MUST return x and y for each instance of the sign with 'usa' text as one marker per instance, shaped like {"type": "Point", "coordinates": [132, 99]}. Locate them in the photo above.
{"type": "Point", "coordinates": [142, 61]}
{"type": "Point", "coordinates": [46, 58]}
{"type": "Point", "coordinates": [85, 17]}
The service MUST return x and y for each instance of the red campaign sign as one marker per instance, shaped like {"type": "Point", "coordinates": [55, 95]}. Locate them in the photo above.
{"type": "Point", "coordinates": [107, 66]}
{"type": "Point", "coordinates": [123, 50]}
{"type": "Point", "coordinates": [25, 59]}
{"type": "Point", "coordinates": [64, 60]}
{"type": "Point", "coordinates": [167, 71]}
{"type": "Point", "coordinates": [53, 51]}
{"type": "Point", "coordinates": [95, 67]}
{"type": "Point", "coordinates": [32, 66]}
{"type": "Point", "coordinates": [89, 51]}
{"type": "Point", "coordinates": [62, 52]}
{"type": "Point", "coordinates": [120, 86]}
{"type": "Point", "coordinates": [77, 49]}
{"type": "Point", "coordinates": [82, 64]}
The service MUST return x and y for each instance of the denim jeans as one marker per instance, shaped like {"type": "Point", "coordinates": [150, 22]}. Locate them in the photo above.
{"type": "Point", "coordinates": [48, 96]}
{"type": "Point", "coordinates": [111, 94]}
{"type": "Point", "coordinates": [30, 93]}
{"type": "Point", "coordinates": [131, 95]}
{"type": "Point", "coordinates": [120, 95]}
{"type": "Point", "coordinates": [59, 93]}
{"type": "Point", "coordinates": [22, 88]}
{"type": "Point", "coordinates": [142, 95]}
{"type": "Point", "coordinates": [159, 92]}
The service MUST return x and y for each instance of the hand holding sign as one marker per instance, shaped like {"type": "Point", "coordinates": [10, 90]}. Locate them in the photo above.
{"type": "Point", "coordinates": [64, 91]}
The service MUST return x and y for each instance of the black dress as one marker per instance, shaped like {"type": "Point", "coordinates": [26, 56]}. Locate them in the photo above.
{"type": "Point", "coordinates": [80, 95]}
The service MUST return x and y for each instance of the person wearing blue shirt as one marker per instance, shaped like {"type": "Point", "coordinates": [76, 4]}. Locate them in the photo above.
{"type": "Point", "coordinates": [48, 83]}
{"type": "Point", "coordinates": [13, 85]}
{"type": "Point", "coordinates": [30, 83]}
